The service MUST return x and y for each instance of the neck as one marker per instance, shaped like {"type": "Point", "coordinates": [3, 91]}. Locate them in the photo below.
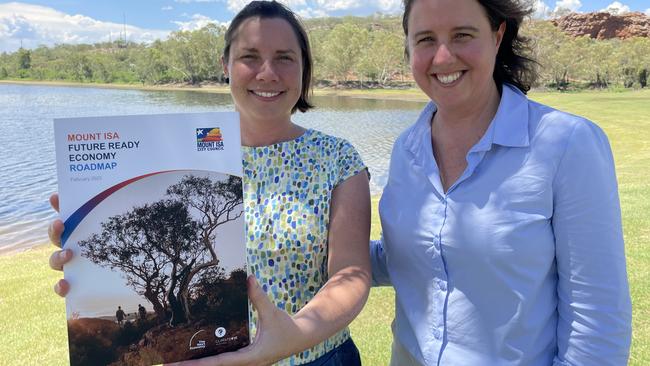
{"type": "Point", "coordinates": [263, 133]}
{"type": "Point", "coordinates": [473, 119]}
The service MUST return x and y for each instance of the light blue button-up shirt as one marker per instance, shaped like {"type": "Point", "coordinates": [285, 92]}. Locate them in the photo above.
{"type": "Point", "coordinates": [522, 261]}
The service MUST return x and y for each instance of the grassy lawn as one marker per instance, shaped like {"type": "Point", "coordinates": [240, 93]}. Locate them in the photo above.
{"type": "Point", "coordinates": [33, 330]}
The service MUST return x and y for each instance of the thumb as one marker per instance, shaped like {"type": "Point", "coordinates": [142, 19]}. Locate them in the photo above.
{"type": "Point", "coordinates": [258, 297]}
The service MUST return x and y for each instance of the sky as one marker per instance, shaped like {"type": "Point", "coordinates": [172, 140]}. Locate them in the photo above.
{"type": "Point", "coordinates": [31, 23]}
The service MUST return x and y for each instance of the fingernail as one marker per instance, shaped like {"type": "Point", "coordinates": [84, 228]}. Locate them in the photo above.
{"type": "Point", "coordinates": [64, 254]}
{"type": "Point", "coordinates": [251, 280]}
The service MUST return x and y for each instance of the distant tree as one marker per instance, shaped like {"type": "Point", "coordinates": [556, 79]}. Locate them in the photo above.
{"type": "Point", "coordinates": [317, 40]}
{"type": "Point", "coordinates": [383, 57]}
{"type": "Point", "coordinates": [195, 54]}
{"type": "Point", "coordinates": [150, 65]}
{"type": "Point", "coordinates": [78, 67]}
{"type": "Point", "coordinates": [633, 60]}
{"type": "Point", "coordinates": [342, 48]}
{"type": "Point", "coordinates": [643, 78]}
{"type": "Point", "coordinates": [3, 73]}
{"type": "Point", "coordinates": [554, 51]}
{"type": "Point", "coordinates": [24, 59]}
{"type": "Point", "coordinates": [602, 65]}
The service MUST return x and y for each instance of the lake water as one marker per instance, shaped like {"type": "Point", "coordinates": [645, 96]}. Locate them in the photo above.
{"type": "Point", "coordinates": [28, 172]}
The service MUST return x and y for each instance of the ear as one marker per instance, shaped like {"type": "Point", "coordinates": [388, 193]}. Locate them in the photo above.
{"type": "Point", "coordinates": [499, 34]}
{"type": "Point", "coordinates": [224, 65]}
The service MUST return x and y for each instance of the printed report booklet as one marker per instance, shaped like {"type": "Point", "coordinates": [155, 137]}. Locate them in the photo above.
{"type": "Point", "coordinates": [153, 211]}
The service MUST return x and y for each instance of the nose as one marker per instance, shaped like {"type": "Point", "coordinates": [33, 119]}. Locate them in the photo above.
{"type": "Point", "coordinates": [443, 55]}
{"type": "Point", "coordinates": [267, 72]}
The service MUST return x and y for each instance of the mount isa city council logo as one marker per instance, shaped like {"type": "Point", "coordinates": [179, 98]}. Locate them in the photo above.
{"type": "Point", "coordinates": [209, 139]}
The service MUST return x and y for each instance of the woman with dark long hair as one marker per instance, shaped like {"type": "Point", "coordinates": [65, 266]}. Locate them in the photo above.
{"type": "Point", "coordinates": [501, 220]}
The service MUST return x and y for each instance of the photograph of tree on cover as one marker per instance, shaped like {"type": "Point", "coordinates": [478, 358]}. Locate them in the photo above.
{"type": "Point", "coordinates": [160, 273]}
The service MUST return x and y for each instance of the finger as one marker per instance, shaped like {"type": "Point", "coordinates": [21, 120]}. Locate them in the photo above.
{"type": "Point", "coordinates": [62, 287]}
{"type": "Point", "coordinates": [54, 201]}
{"type": "Point", "coordinates": [259, 299]}
{"type": "Point", "coordinates": [59, 258]}
{"type": "Point", "coordinates": [54, 231]}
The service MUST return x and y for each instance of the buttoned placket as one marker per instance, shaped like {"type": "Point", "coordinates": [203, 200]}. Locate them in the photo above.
{"type": "Point", "coordinates": [441, 282]}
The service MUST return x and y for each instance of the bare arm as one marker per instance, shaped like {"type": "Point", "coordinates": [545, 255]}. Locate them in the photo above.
{"type": "Point", "coordinates": [346, 291]}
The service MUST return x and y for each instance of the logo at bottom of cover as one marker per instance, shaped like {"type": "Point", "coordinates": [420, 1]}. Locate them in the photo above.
{"type": "Point", "coordinates": [197, 342]}
{"type": "Point", "coordinates": [209, 139]}
{"type": "Point", "coordinates": [220, 332]}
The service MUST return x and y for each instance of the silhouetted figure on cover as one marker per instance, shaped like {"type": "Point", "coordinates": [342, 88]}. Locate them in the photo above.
{"type": "Point", "coordinates": [119, 314]}
{"type": "Point", "coordinates": [142, 312]}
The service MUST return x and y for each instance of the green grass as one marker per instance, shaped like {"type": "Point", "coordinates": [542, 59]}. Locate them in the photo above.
{"type": "Point", "coordinates": [32, 328]}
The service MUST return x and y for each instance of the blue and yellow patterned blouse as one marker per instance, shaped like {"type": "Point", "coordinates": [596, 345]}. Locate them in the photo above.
{"type": "Point", "coordinates": [287, 191]}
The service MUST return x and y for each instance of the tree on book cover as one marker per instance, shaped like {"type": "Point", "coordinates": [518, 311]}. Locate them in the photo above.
{"type": "Point", "coordinates": [166, 253]}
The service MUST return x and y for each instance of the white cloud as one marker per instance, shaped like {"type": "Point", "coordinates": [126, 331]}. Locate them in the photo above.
{"type": "Point", "coordinates": [647, 12]}
{"type": "Point", "coordinates": [542, 11]}
{"type": "Point", "coordinates": [237, 5]}
{"type": "Point", "coordinates": [334, 5]}
{"type": "Point", "coordinates": [197, 21]}
{"type": "Point", "coordinates": [167, 8]}
{"type": "Point", "coordinates": [616, 8]}
{"type": "Point", "coordinates": [311, 13]}
{"type": "Point", "coordinates": [570, 5]}
{"type": "Point", "coordinates": [390, 6]}
{"type": "Point", "coordinates": [34, 25]}
{"type": "Point", "coordinates": [321, 8]}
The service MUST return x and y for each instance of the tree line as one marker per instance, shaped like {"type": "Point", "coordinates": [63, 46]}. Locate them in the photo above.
{"type": "Point", "coordinates": [352, 51]}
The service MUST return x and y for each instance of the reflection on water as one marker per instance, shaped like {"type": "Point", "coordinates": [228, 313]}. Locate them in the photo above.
{"type": "Point", "coordinates": [27, 169]}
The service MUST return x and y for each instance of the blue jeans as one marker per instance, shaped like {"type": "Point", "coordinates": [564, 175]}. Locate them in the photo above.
{"type": "Point", "coordinates": [346, 354]}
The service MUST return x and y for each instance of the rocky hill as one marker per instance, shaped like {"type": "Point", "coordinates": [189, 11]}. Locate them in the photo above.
{"type": "Point", "coordinates": [603, 25]}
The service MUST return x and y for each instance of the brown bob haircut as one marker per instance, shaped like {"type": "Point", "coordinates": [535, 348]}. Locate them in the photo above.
{"type": "Point", "coordinates": [273, 9]}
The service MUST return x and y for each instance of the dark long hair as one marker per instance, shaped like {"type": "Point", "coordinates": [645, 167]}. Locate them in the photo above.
{"type": "Point", "coordinates": [273, 9]}
{"type": "Point", "coordinates": [513, 64]}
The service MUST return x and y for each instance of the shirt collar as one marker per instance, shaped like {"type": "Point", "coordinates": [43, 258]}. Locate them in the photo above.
{"type": "Point", "coordinates": [509, 127]}
{"type": "Point", "coordinates": [510, 124]}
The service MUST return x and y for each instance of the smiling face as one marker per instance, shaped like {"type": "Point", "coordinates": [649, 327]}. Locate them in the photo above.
{"type": "Point", "coordinates": [265, 70]}
{"type": "Point", "coordinates": [452, 51]}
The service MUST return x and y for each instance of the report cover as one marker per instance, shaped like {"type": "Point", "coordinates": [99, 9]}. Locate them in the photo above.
{"type": "Point", "coordinates": [153, 211]}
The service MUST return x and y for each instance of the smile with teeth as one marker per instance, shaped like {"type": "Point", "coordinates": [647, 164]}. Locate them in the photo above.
{"type": "Point", "coordinates": [449, 78]}
{"type": "Point", "coordinates": [265, 94]}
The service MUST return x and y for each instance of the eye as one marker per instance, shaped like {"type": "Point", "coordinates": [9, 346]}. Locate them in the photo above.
{"type": "Point", "coordinates": [426, 39]}
{"type": "Point", "coordinates": [247, 56]}
{"type": "Point", "coordinates": [285, 58]}
{"type": "Point", "coordinates": [463, 36]}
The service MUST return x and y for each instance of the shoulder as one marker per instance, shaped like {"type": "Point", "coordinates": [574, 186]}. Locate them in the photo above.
{"type": "Point", "coordinates": [328, 146]}
{"type": "Point", "coordinates": [550, 125]}
{"type": "Point", "coordinates": [318, 139]}
{"type": "Point", "coordinates": [573, 144]}
{"type": "Point", "coordinates": [411, 143]}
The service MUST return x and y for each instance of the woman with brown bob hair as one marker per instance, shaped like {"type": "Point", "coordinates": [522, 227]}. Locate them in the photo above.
{"type": "Point", "coordinates": [309, 266]}
{"type": "Point", "coordinates": [501, 220]}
